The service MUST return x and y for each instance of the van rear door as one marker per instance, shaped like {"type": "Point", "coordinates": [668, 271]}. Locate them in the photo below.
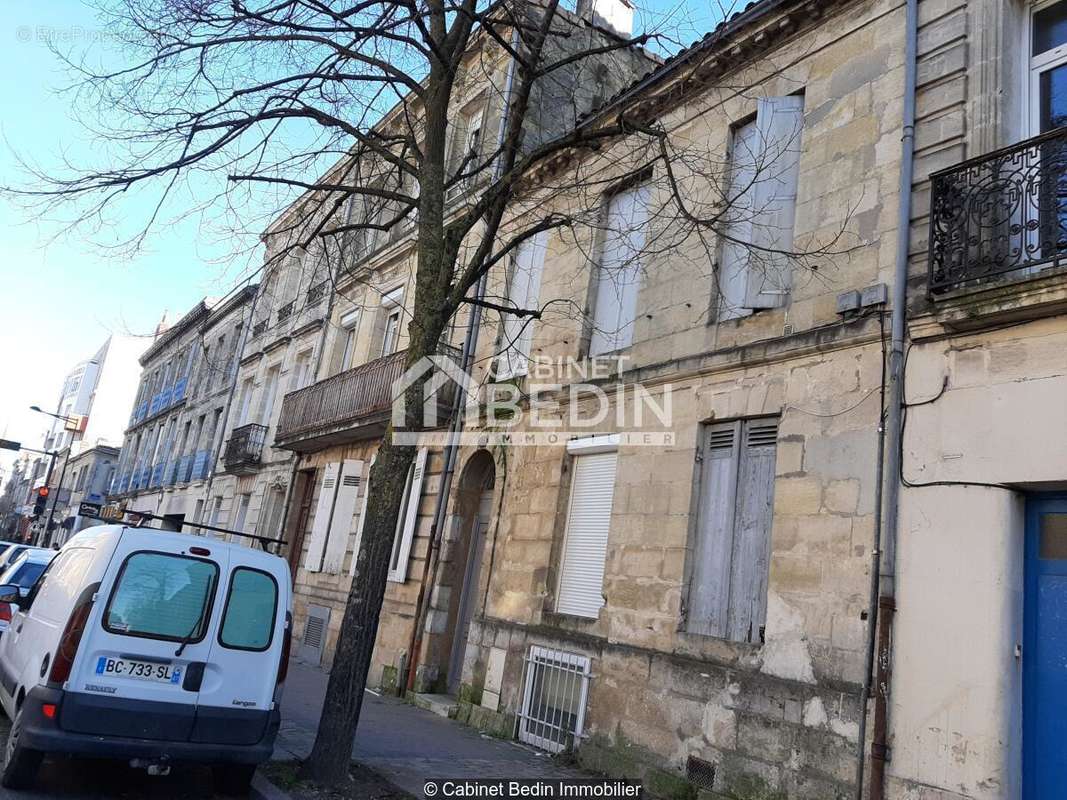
{"type": "Point", "coordinates": [237, 695]}
{"type": "Point", "coordinates": [141, 661]}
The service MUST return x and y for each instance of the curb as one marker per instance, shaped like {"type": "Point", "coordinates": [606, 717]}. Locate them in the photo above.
{"type": "Point", "coordinates": [263, 789]}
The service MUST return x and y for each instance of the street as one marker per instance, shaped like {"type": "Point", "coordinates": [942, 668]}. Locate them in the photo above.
{"type": "Point", "coordinates": [83, 779]}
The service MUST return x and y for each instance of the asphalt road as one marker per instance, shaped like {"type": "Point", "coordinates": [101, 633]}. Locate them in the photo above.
{"type": "Point", "coordinates": [82, 779]}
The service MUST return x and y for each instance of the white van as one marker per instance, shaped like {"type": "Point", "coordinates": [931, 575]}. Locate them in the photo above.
{"type": "Point", "coordinates": [150, 646]}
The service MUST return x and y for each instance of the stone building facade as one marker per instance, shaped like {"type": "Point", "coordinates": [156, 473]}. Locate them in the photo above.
{"type": "Point", "coordinates": [176, 425]}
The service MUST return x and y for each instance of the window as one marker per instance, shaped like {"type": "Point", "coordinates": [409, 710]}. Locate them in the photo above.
{"type": "Point", "coordinates": [216, 512]}
{"type": "Point", "coordinates": [1048, 111]}
{"type": "Point", "coordinates": [524, 292]}
{"type": "Point", "coordinates": [250, 611]}
{"type": "Point", "coordinates": [243, 502]}
{"type": "Point", "coordinates": [266, 403]}
{"type": "Point", "coordinates": [79, 480]}
{"type": "Point", "coordinates": [732, 540]}
{"type": "Point", "coordinates": [244, 402]}
{"type": "Point", "coordinates": [60, 585]}
{"type": "Point", "coordinates": [618, 276]}
{"type": "Point", "coordinates": [162, 596]}
{"type": "Point", "coordinates": [466, 141]}
{"type": "Point", "coordinates": [391, 333]}
{"type": "Point", "coordinates": [25, 574]}
{"type": "Point", "coordinates": [389, 316]}
{"type": "Point", "coordinates": [585, 541]}
{"type": "Point", "coordinates": [407, 519]}
{"type": "Point", "coordinates": [348, 333]}
{"type": "Point", "coordinates": [301, 376]}
{"type": "Point", "coordinates": [553, 699]}
{"type": "Point", "coordinates": [762, 196]}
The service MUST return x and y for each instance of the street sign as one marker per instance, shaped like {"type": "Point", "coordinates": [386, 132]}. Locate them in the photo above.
{"type": "Point", "coordinates": [88, 510]}
{"type": "Point", "coordinates": [7, 444]}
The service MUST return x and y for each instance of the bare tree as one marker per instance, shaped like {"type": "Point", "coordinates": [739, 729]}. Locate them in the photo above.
{"type": "Point", "coordinates": [264, 95]}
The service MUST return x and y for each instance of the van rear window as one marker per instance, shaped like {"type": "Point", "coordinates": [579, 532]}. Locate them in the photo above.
{"type": "Point", "coordinates": [251, 608]}
{"type": "Point", "coordinates": [162, 596]}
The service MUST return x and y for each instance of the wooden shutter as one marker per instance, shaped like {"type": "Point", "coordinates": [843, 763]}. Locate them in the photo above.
{"type": "Point", "coordinates": [780, 121]}
{"type": "Point", "coordinates": [581, 579]}
{"type": "Point", "coordinates": [709, 584]}
{"type": "Point", "coordinates": [619, 274]}
{"type": "Point", "coordinates": [341, 523]}
{"type": "Point", "coordinates": [734, 254]}
{"type": "Point", "coordinates": [362, 516]}
{"type": "Point", "coordinates": [752, 532]}
{"type": "Point", "coordinates": [320, 526]}
{"type": "Point", "coordinates": [523, 293]}
{"type": "Point", "coordinates": [731, 554]}
{"type": "Point", "coordinates": [408, 517]}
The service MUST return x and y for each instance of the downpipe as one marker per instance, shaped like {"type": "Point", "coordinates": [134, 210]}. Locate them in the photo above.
{"type": "Point", "coordinates": [885, 586]}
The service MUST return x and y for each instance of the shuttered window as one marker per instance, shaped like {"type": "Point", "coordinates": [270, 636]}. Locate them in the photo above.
{"type": "Point", "coordinates": [754, 269]}
{"type": "Point", "coordinates": [343, 508]}
{"type": "Point", "coordinates": [407, 518]}
{"type": "Point", "coordinates": [320, 524]}
{"type": "Point", "coordinates": [524, 293]}
{"type": "Point", "coordinates": [731, 551]}
{"type": "Point", "coordinates": [618, 277]}
{"type": "Point", "coordinates": [362, 516]}
{"type": "Point", "coordinates": [585, 544]}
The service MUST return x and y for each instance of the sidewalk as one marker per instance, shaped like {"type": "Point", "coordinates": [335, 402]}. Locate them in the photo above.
{"type": "Point", "coordinates": [405, 744]}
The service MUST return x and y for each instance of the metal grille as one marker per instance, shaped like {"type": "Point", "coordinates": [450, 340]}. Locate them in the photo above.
{"type": "Point", "coordinates": [555, 688]}
{"type": "Point", "coordinates": [1001, 215]}
{"type": "Point", "coordinates": [314, 634]}
{"type": "Point", "coordinates": [700, 773]}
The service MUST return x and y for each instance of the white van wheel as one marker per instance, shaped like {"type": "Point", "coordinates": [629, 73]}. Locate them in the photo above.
{"type": "Point", "coordinates": [20, 763]}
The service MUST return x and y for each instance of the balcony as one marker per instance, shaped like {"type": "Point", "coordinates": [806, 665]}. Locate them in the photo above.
{"type": "Point", "coordinates": [352, 405]}
{"type": "Point", "coordinates": [1001, 217]}
{"type": "Point", "coordinates": [244, 449]}
{"type": "Point", "coordinates": [286, 311]}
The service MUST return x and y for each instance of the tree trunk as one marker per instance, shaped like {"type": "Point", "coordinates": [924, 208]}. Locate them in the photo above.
{"type": "Point", "coordinates": [332, 752]}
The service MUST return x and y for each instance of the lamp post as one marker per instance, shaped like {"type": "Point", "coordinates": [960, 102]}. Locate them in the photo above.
{"type": "Point", "coordinates": [62, 472]}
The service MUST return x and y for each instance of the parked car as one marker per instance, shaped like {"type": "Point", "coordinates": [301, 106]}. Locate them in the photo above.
{"type": "Point", "coordinates": [23, 574]}
{"type": "Point", "coordinates": [11, 553]}
{"type": "Point", "coordinates": [149, 646]}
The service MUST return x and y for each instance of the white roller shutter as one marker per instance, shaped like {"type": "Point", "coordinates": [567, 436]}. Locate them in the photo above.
{"type": "Point", "coordinates": [320, 526]}
{"type": "Point", "coordinates": [581, 578]}
{"type": "Point", "coordinates": [362, 516]}
{"type": "Point", "coordinates": [344, 507]}
{"type": "Point", "coordinates": [406, 520]}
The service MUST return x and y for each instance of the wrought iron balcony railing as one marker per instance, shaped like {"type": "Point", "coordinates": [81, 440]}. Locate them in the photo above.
{"type": "Point", "coordinates": [286, 311]}
{"type": "Point", "coordinates": [244, 448]}
{"type": "Point", "coordinates": [1000, 216]}
{"type": "Point", "coordinates": [316, 293]}
{"type": "Point", "coordinates": [351, 405]}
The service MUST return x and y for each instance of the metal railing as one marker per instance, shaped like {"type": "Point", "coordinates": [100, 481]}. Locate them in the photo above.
{"type": "Point", "coordinates": [348, 397]}
{"type": "Point", "coordinates": [245, 446]}
{"type": "Point", "coordinates": [286, 311]}
{"type": "Point", "coordinates": [316, 293]}
{"type": "Point", "coordinates": [259, 327]}
{"type": "Point", "coordinates": [1000, 216]}
{"type": "Point", "coordinates": [554, 691]}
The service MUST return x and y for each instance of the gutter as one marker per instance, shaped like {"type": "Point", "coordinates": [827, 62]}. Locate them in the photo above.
{"type": "Point", "coordinates": [883, 580]}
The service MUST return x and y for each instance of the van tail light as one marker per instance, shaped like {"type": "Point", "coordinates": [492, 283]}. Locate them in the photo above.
{"type": "Point", "coordinates": [5, 612]}
{"type": "Point", "coordinates": [68, 644]}
{"type": "Point", "coordinates": [287, 640]}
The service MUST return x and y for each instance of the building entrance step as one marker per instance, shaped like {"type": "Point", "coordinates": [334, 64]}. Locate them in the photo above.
{"type": "Point", "coordinates": [441, 704]}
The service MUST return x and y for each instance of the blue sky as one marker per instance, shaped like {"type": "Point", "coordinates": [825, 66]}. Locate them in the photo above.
{"type": "Point", "coordinates": [62, 295]}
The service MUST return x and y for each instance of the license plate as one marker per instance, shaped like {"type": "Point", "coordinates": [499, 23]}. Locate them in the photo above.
{"type": "Point", "coordinates": [141, 670]}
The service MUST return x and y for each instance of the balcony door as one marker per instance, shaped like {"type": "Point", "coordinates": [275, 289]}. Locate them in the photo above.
{"type": "Point", "coordinates": [1048, 111]}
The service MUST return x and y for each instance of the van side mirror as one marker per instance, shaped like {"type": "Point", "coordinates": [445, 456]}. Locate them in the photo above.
{"type": "Point", "coordinates": [9, 593]}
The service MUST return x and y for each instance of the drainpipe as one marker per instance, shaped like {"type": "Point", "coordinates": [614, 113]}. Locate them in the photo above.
{"type": "Point", "coordinates": [885, 587]}
{"type": "Point", "coordinates": [470, 343]}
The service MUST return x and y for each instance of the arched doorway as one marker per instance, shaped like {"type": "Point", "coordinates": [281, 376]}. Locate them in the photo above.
{"type": "Point", "coordinates": [474, 509]}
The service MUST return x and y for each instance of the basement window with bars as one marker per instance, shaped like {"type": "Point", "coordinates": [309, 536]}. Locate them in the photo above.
{"type": "Point", "coordinates": [731, 548]}
{"type": "Point", "coordinates": [555, 688]}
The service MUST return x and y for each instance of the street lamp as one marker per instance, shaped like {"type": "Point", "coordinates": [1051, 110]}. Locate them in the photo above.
{"type": "Point", "coordinates": [62, 473]}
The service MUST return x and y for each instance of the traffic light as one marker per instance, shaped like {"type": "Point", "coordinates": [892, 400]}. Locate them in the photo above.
{"type": "Point", "coordinates": [41, 501]}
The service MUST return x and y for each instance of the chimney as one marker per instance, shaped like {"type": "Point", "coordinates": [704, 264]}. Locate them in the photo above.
{"type": "Point", "coordinates": [616, 16]}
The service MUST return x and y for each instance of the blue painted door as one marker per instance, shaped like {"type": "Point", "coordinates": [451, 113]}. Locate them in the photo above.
{"type": "Point", "coordinates": [1045, 651]}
